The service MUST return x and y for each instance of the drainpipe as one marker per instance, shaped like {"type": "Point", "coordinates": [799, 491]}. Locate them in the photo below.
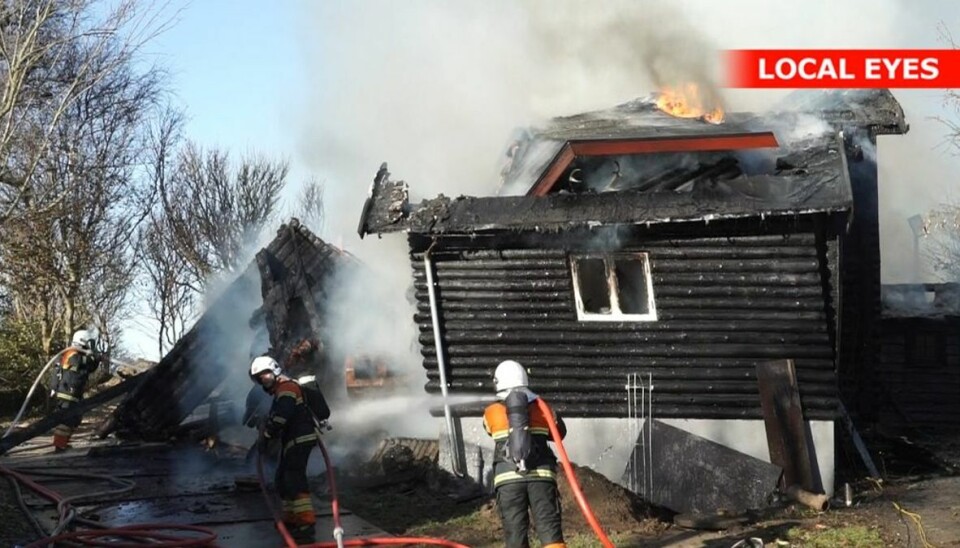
{"type": "Point", "coordinates": [455, 441]}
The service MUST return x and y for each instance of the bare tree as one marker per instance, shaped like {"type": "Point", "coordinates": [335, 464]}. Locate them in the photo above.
{"type": "Point", "coordinates": [309, 206]}
{"type": "Point", "coordinates": [52, 53]}
{"type": "Point", "coordinates": [213, 211]}
{"type": "Point", "coordinates": [74, 189]}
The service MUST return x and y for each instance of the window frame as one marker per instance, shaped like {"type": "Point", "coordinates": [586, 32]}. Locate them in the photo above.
{"type": "Point", "coordinates": [613, 287]}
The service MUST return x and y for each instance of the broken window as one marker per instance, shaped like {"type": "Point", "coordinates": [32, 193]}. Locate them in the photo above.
{"type": "Point", "coordinates": [613, 287]}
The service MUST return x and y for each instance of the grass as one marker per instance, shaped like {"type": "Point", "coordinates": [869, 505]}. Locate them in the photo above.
{"type": "Point", "coordinates": [856, 536]}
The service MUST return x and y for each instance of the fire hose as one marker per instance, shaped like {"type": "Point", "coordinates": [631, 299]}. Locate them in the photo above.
{"type": "Point", "coordinates": [33, 387]}
{"type": "Point", "coordinates": [36, 382]}
{"type": "Point", "coordinates": [338, 528]}
{"type": "Point", "coordinates": [156, 534]}
{"type": "Point", "coordinates": [384, 541]}
{"type": "Point", "coordinates": [571, 476]}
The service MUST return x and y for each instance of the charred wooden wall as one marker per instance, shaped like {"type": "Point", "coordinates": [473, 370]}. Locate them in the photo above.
{"type": "Point", "coordinates": [289, 274]}
{"type": "Point", "coordinates": [918, 372]}
{"type": "Point", "coordinates": [860, 300]}
{"type": "Point", "coordinates": [723, 304]}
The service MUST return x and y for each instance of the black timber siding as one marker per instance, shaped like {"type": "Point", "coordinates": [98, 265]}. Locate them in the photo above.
{"type": "Point", "coordinates": [723, 304]}
{"type": "Point", "coordinates": [919, 373]}
{"type": "Point", "coordinates": [860, 299]}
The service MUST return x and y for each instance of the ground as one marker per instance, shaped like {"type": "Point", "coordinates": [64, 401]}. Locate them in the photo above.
{"type": "Point", "coordinates": [919, 506]}
{"type": "Point", "coordinates": [423, 504]}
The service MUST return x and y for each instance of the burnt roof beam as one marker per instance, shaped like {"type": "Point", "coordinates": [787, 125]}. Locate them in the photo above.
{"type": "Point", "coordinates": [621, 147]}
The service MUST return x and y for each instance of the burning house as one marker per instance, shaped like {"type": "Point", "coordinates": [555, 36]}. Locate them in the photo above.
{"type": "Point", "coordinates": [632, 250]}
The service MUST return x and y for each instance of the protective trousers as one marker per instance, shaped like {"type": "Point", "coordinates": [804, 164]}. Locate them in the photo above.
{"type": "Point", "coordinates": [62, 432]}
{"type": "Point", "coordinates": [543, 500]}
{"type": "Point", "coordinates": [291, 479]}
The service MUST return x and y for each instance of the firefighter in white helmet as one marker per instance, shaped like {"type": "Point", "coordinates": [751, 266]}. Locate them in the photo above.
{"type": "Point", "coordinates": [76, 364]}
{"type": "Point", "coordinates": [524, 466]}
{"type": "Point", "coordinates": [291, 421]}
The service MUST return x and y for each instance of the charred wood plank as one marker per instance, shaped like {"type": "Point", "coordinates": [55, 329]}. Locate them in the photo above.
{"type": "Point", "coordinates": [498, 274]}
{"type": "Point", "coordinates": [619, 410]}
{"type": "Point", "coordinates": [693, 400]}
{"type": "Point", "coordinates": [515, 264]}
{"type": "Point", "coordinates": [743, 351]}
{"type": "Point", "coordinates": [499, 285]}
{"type": "Point", "coordinates": [546, 306]}
{"type": "Point", "coordinates": [812, 372]}
{"type": "Point", "coordinates": [780, 399]}
{"type": "Point", "coordinates": [615, 386]}
{"type": "Point", "coordinates": [668, 317]}
{"type": "Point", "coordinates": [707, 289]}
{"type": "Point", "coordinates": [523, 296]}
{"type": "Point", "coordinates": [558, 365]}
{"type": "Point", "coordinates": [736, 279]}
{"type": "Point", "coordinates": [762, 326]}
{"type": "Point", "coordinates": [454, 338]}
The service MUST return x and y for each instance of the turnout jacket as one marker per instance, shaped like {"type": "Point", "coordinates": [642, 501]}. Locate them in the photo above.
{"type": "Point", "coordinates": [541, 464]}
{"type": "Point", "coordinates": [75, 369]}
{"type": "Point", "coordinates": [289, 417]}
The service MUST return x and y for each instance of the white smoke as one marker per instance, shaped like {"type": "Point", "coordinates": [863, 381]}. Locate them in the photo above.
{"type": "Point", "coordinates": [435, 89]}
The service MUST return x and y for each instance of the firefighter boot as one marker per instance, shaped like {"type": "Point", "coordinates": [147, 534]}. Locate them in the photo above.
{"type": "Point", "coordinates": [303, 534]}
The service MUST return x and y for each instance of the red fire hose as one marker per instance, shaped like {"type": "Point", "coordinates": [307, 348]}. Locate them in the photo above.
{"type": "Point", "coordinates": [571, 477]}
{"type": "Point", "coordinates": [156, 534]}
{"type": "Point", "coordinates": [384, 541]}
{"type": "Point", "coordinates": [338, 529]}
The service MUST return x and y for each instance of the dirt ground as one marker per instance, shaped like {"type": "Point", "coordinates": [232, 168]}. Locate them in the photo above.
{"type": "Point", "coordinates": [429, 504]}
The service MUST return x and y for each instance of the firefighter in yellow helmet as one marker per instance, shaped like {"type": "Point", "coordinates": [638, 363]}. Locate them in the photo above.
{"type": "Point", "coordinates": [524, 466]}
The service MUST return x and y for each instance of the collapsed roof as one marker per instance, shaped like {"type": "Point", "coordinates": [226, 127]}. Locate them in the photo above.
{"type": "Point", "coordinates": [635, 164]}
{"type": "Point", "coordinates": [289, 274]}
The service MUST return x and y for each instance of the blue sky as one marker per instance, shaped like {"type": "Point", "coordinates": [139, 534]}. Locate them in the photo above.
{"type": "Point", "coordinates": [234, 67]}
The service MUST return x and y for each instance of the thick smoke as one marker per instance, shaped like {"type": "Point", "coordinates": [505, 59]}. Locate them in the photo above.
{"type": "Point", "coordinates": [436, 88]}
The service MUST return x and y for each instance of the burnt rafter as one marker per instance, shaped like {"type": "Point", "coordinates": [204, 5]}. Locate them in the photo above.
{"type": "Point", "coordinates": [616, 147]}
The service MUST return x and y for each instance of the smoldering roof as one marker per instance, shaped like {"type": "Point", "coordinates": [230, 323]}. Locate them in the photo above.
{"type": "Point", "coordinates": [807, 173]}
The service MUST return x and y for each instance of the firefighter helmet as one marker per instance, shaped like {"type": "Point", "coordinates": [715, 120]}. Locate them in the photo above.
{"type": "Point", "coordinates": [83, 339]}
{"type": "Point", "coordinates": [510, 375]}
{"type": "Point", "coordinates": [263, 364]}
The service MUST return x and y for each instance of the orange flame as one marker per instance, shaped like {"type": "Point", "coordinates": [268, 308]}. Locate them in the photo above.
{"type": "Point", "coordinates": [686, 102]}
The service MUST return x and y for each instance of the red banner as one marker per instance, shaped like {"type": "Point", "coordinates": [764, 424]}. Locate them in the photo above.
{"type": "Point", "coordinates": [853, 68]}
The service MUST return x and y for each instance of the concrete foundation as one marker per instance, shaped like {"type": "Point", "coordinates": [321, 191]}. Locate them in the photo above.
{"type": "Point", "coordinates": [605, 444]}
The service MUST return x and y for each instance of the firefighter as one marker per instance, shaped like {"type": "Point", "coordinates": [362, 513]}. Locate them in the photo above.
{"type": "Point", "coordinates": [76, 364]}
{"type": "Point", "coordinates": [524, 467]}
{"type": "Point", "coordinates": [291, 420]}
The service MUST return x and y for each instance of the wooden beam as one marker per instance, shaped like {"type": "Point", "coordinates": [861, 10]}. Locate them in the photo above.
{"type": "Point", "coordinates": [45, 424]}
{"type": "Point", "coordinates": [619, 147]}
{"type": "Point", "coordinates": [786, 430]}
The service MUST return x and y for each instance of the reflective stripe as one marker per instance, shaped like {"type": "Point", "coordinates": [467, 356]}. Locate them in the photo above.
{"type": "Point", "coordinates": [288, 394]}
{"type": "Point", "coordinates": [306, 378]}
{"type": "Point", "coordinates": [65, 396]}
{"type": "Point", "coordinates": [537, 474]}
{"type": "Point", "coordinates": [279, 419]}
{"type": "Point", "coordinates": [500, 434]}
{"type": "Point", "coordinates": [544, 431]}
{"type": "Point", "coordinates": [301, 439]}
